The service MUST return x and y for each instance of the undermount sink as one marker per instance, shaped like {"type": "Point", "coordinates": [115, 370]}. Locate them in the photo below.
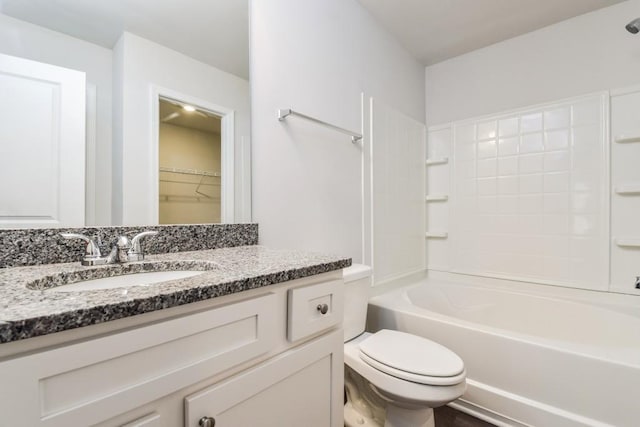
{"type": "Point", "coordinates": [122, 275]}
{"type": "Point", "coordinates": [126, 280]}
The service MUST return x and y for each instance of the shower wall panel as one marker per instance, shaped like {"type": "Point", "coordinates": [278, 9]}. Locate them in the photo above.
{"type": "Point", "coordinates": [529, 196]}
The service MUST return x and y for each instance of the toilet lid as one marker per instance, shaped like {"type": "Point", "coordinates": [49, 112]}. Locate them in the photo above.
{"type": "Point", "coordinates": [412, 358]}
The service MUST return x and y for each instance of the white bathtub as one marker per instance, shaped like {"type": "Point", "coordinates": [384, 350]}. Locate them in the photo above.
{"type": "Point", "coordinates": [533, 356]}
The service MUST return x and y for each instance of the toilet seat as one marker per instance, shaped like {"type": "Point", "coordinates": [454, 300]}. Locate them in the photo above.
{"type": "Point", "coordinates": [412, 358]}
{"type": "Point", "coordinates": [396, 389]}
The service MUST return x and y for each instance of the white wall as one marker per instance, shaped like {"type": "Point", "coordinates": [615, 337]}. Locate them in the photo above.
{"type": "Point", "coordinates": [585, 54]}
{"type": "Point", "coordinates": [318, 57]}
{"type": "Point", "coordinates": [19, 38]}
{"type": "Point", "coordinates": [140, 64]}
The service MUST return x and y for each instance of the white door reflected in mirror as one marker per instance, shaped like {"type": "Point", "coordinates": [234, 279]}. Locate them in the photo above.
{"type": "Point", "coordinates": [42, 144]}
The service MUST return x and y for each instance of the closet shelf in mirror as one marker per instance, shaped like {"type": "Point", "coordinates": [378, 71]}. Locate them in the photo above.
{"type": "Point", "coordinates": [436, 234]}
{"type": "Point", "coordinates": [627, 189]}
{"type": "Point", "coordinates": [437, 198]}
{"type": "Point", "coordinates": [622, 139]}
{"type": "Point", "coordinates": [437, 161]}
{"type": "Point", "coordinates": [186, 199]}
{"type": "Point", "coordinates": [189, 171]}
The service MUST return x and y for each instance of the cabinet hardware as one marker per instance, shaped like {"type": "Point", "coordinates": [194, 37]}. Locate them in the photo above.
{"type": "Point", "coordinates": [323, 308]}
{"type": "Point", "coordinates": [207, 422]}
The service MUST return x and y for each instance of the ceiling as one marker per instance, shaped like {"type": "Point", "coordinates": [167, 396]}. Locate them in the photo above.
{"type": "Point", "coordinates": [174, 114]}
{"type": "Point", "coordinates": [436, 30]}
{"type": "Point", "coordinates": [215, 32]}
{"type": "Point", "coordinates": [431, 30]}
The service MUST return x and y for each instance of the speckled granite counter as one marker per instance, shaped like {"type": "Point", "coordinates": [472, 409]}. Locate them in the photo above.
{"type": "Point", "coordinates": [26, 313]}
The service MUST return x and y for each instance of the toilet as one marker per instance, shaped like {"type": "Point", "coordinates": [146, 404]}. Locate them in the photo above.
{"type": "Point", "coordinates": [392, 378]}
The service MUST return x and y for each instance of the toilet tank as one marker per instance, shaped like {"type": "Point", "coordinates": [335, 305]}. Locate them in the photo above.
{"type": "Point", "coordinates": [357, 284]}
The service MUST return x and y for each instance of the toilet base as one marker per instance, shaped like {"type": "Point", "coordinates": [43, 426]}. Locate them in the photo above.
{"type": "Point", "coordinates": [366, 407]}
{"type": "Point", "coordinates": [395, 417]}
{"type": "Point", "coordinates": [354, 418]}
{"type": "Point", "coordinates": [401, 417]}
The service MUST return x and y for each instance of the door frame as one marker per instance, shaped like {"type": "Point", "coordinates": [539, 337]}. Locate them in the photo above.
{"type": "Point", "coordinates": [227, 149]}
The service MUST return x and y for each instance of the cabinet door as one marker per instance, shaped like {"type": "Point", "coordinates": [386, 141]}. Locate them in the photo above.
{"type": "Point", "coordinates": [95, 380]}
{"type": "Point", "coordinates": [302, 387]}
{"type": "Point", "coordinates": [151, 420]}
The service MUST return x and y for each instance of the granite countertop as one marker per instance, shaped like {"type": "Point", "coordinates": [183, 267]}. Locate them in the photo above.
{"type": "Point", "coordinates": [30, 308]}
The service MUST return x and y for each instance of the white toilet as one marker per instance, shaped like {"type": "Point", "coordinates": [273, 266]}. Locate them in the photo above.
{"type": "Point", "coordinates": [392, 378]}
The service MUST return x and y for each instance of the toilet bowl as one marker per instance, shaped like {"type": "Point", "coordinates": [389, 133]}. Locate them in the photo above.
{"type": "Point", "coordinates": [392, 378]}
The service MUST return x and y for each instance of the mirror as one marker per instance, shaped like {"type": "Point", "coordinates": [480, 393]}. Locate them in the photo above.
{"type": "Point", "coordinates": [133, 55]}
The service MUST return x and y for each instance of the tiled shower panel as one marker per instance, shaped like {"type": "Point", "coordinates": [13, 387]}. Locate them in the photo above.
{"type": "Point", "coordinates": [438, 214]}
{"type": "Point", "coordinates": [625, 198]}
{"type": "Point", "coordinates": [530, 197]}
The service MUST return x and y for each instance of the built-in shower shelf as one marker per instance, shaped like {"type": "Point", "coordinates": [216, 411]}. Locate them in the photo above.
{"type": "Point", "coordinates": [436, 234]}
{"type": "Point", "coordinates": [627, 189]}
{"type": "Point", "coordinates": [622, 139]}
{"type": "Point", "coordinates": [437, 161]}
{"type": "Point", "coordinates": [437, 198]}
{"type": "Point", "coordinates": [627, 243]}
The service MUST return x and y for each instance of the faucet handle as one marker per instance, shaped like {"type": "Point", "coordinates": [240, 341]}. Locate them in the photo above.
{"type": "Point", "coordinates": [123, 242]}
{"type": "Point", "coordinates": [136, 253]}
{"type": "Point", "coordinates": [91, 251]}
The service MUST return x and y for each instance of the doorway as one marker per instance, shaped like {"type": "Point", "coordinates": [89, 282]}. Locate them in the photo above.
{"type": "Point", "coordinates": [190, 164]}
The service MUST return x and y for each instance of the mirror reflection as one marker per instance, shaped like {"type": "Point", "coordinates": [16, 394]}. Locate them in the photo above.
{"type": "Point", "coordinates": [190, 161]}
{"type": "Point", "coordinates": [96, 131]}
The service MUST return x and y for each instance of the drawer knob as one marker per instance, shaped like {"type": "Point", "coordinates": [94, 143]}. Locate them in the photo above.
{"type": "Point", "coordinates": [323, 308]}
{"type": "Point", "coordinates": [207, 422]}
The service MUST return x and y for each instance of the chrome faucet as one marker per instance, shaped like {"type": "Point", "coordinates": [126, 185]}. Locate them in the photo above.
{"type": "Point", "coordinates": [124, 250]}
{"type": "Point", "coordinates": [637, 282]}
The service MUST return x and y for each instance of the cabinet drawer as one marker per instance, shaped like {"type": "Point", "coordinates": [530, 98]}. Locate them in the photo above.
{"type": "Point", "coordinates": [314, 308]}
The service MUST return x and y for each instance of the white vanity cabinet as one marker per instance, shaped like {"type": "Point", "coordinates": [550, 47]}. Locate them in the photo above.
{"type": "Point", "coordinates": [294, 389]}
{"type": "Point", "coordinates": [229, 359]}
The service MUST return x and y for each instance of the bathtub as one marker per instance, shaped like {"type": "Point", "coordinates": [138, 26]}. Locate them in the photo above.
{"type": "Point", "coordinates": [535, 355]}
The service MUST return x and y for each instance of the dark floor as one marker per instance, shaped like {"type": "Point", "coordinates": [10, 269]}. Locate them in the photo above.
{"type": "Point", "coordinates": [449, 417]}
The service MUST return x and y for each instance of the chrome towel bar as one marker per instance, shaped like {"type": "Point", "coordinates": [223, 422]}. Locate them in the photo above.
{"type": "Point", "coordinates": [284, 113]}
